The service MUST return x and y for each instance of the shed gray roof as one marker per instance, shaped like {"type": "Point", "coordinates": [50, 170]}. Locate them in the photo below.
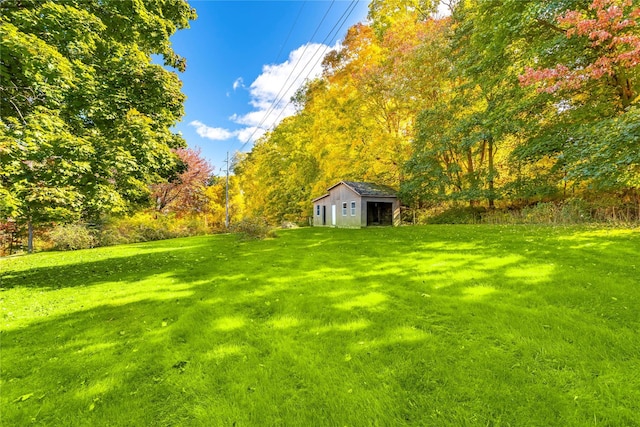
{"type": "Point", "coordinates": [368, 189]}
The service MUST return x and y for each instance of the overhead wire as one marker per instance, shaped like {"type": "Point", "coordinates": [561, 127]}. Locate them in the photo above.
{"type": "Point", "coordinates": [277, 99]}
{"type": "Point", "coordinates": [333, 32]}
{"type": "Point", "coordinates": [290, 31]}
{"type": "Point", "coordinates": [321, 57]}
{"type": "Point", "coordinates": [278, 57]}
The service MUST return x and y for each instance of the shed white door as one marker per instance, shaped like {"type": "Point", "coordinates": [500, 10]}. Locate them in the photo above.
{"type": "Point", "coordinates": [333, 214]}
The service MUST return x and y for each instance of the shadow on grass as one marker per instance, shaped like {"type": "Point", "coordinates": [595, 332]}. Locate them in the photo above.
{"type": "Point", "coordinates": [438, 325]}
{"type": "Point", "coordinates": [86, 268]}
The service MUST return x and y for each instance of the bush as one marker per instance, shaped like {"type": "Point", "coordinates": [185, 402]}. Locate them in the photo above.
{"type": "Point", "coordinates": [70, 237]}
{"type": "Point", "coordinates": [540, 213]}
{"type": "Point", "coordinates": [253, 228]}
{"type": "Point", "coordinates": [144, 227]}
{"type": "Point", "coordinates": [458, 215]}
{"type": "Point", "coordinates": [574, 211]}
{"type": "Point", "coordinates": [141, 227]}
{"type": "Point", "coordinates": [502, 216]}
{"type": "Point", "coordinates": [110, 236]}
{"type": "Point", "coordinates": [570, 211]}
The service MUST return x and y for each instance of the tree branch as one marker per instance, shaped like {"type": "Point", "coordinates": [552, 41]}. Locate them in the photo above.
{"type": "Point", "coordinates": [551, 26]}
{"type": "Point", "coordinates": [24, 122]}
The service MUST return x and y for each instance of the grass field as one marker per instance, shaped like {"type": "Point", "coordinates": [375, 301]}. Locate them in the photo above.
{"type": "Point", "coordinates": [436, 325]}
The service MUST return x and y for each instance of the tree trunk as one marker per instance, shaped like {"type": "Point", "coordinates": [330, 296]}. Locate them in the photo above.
{"type": "Point", "coordinates": [30, 237]}
{"type": "Point", "coordinates": [625, 89]}
{"type": "Point", "coordinates": [470, 168]}
{"type": "Point", "coordinates": [473, 181]}
{"type": "Point", "coordinates": [491, 173]}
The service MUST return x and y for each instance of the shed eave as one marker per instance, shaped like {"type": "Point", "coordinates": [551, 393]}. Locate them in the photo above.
{"type": "Point", "coordinates": [335, 185]}
{"type": "Point", "coordinates": [320, 198]}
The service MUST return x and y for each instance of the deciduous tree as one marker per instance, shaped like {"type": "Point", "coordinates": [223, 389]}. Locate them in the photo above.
{"type": "Point", "coordinates": [593, 94]}
{"type": "Point", "coordinates": [611, 31]}
{"type": "Point", "coordinates": [185, 193]}
{"type": "Point", "coordinates": [86, 116]}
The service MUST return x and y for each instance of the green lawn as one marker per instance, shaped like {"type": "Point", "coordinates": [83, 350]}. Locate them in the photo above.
{"type": "Point", "coordinates": [436, 325]}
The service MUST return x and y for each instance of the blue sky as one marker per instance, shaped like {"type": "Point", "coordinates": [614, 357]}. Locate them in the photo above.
{"type": "Point", "coordinates": [243, 55]}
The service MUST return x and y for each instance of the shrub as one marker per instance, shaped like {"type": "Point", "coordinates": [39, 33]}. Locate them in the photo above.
{"type": "Point", "coordinates": [458, 215]}
{"type": "Point", "coordinates": [570, 211]}
{"type": "Point", "coordinates": [146, 226]}
{"type": "Point", "coordinates": [253, 228]}
{"type": "Point", "coordinates": [574, 211]}
{"type": "Point", "coordinates": [540, 213]}
{"type": "Point", "coordinates": [502, 216]}
{"type": "Point", "coordinates": [110, 236]}
{"type": "Point", "coordinates": [70, 237]}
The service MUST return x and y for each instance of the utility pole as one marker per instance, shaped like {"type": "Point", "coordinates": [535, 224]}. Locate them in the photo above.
{"type": "Point", "coordinates": [226, 205]}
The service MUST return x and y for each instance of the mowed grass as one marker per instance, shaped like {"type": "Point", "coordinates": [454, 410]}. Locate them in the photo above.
{"type": "Point", "coordinates": [436, 325]}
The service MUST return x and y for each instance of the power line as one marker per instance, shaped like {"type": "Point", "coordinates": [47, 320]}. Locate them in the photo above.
{"type": "Point", "coordinates": [290, 31]}
{"type": "Point", "coordinates": [295, 21]}
{"type": "Point", "coordinates": [277, 98]}
{"type": "Point", "coordinates": [352, 6]}
{"type": "Point", "coordinates": [337, 26]}
{"type": "Point", "coordinates": [226, 196]}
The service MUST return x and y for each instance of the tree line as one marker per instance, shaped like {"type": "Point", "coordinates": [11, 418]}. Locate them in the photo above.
{"type": "Point", "coordinates": [85, 115]}
{"type": "Point", "coordinates": [502, 104]}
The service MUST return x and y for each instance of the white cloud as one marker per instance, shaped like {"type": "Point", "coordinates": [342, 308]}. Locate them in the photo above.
{"type": "Point", "coordinates": [270, 93]}
{"type": "Point", "coordinates": [251, 133]}
{"type": "Point", "coordinates": [216, 134]}
{"type": "Point", "coordinates": [238, 83]}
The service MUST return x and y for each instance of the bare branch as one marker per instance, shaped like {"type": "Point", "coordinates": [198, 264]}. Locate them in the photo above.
{"type": "Point", "coordinates": [549, 25]}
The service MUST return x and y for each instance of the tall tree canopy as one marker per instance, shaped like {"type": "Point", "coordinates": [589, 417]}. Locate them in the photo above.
{"type": "Point", "coordinates": [506, 102]}
{"type": "Point", "coordinates": [86, 116]}
{"type": "Point", "coordinates": [498, 137]}
{"type": "Point", "coordinates": [592, 93]}
{"type": "Point", "coordinates": [355, 122]}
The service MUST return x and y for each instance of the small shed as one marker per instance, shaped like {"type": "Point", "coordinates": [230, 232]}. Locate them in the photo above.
{"type": "Point", "coordinates": [355, 205]}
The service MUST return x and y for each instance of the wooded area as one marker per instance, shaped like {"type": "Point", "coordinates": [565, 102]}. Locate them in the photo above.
{"type": "Point", "coordinates": [501, 105]}
{"type": "Point", "coordinates": [86, 116]}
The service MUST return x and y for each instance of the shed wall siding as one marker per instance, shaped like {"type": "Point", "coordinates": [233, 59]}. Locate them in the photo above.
{"type": "Point", "coordinates": [317, 215]}
{"type": "Point", "coordinates": [342, 194]}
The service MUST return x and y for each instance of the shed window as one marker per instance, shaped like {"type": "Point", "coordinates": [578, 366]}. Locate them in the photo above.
{"type": "Point", "coordinates": [353, 208]}
{"type": "Point", "coordinates": [344, 208]}
{"type": "Point", "coordinates": [317, 210]}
